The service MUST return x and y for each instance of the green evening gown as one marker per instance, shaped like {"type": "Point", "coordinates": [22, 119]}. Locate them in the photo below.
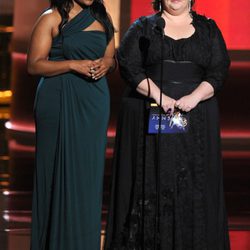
{"type": "Point", "coordinates": [71, 114]}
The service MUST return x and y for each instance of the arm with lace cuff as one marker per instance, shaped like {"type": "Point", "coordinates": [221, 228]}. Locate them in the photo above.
{"type": "Point", "coordinates": [130, 57]}
{"type": "Point", "coordinates": [219, 64]}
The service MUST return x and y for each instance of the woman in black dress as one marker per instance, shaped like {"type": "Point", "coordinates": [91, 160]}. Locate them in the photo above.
{"type": "Point", "coordinates": [186, 191]}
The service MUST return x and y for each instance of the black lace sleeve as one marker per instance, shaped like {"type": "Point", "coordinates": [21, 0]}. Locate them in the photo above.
{"type": "Point", "coordinates": [130, 57]}
{"type": "Point", "coordinates": [219, 62]}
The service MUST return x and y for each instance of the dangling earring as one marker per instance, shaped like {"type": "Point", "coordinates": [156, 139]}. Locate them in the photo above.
{"type": "Point", "coordinates": [190, 6]}
{"type": "Point", "coordinates": [160, 5]}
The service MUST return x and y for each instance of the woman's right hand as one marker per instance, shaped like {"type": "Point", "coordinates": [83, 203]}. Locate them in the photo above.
{"type": "Point", "coordinates": [167, 104]}
{"type": "Point", "coordinates": [83, 67]}
{"type": "Point", "coordinates": [148, 88]}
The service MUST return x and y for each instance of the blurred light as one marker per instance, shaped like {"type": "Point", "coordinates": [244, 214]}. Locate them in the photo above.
{"type": "Point", "coordinates": [232, 134]}
{"type": "Point", "coordinates": [6, 192]}
{"type": "Point", "coordinates": [5, 113]}
{"type": "Point", "coordinates": [17, 193]}
{"type": "Point", "coordinates": [111, 132]}
{"type": "Point", "coordinates": [4, 175]}
{"type": "Point", "coordinates": [236, 154]}
{"type": "Point", "coordinates": [5, 93]}
{"type": "Point", "coordinates": [7, 29]}
{"type": "Point", "coordinates": [8, 125]}
{"type": "Point", "coordinates": [20, 217]}
{"type": "Point", "coordinates": [4, 183]}
{"type": "Point", "coordinates": [5, 96]}
{"type": "Point", "coordinates": [14, 146]}
{"type": "Point", "coordinates": [19, 56]}
{"type": "Point", "coordinates": [22, 127]}
{"type": "Point", "coordinates": [4, 116]}
{"type": "Point", "coordinates": [4, 158]}
{"type": "Point", "coordinates": [109, 152]}
{"type": "Point", "coordinates": [6, 217]}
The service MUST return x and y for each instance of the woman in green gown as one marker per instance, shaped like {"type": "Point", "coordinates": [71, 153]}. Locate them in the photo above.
{"type": "Point", "coordinates": [72, 48]}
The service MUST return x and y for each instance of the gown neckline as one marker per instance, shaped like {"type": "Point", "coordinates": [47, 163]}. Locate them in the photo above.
{"type": "Point", "coordinates": [183, 38]}
{"type": "Point", "coordinates": [72, 20]}
{"type": "Point", "coordinates": [75, 16]}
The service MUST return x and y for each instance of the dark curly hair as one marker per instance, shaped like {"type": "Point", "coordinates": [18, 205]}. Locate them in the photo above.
{"type": "Point", "coordinates": [156, 4]}
{"type": "Point", "coordinates": [97, 9]}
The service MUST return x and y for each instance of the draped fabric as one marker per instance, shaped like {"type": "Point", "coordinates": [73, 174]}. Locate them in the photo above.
{"type": "Point", "coordinates": [71, 114]}
{"type": "Point", "coordinates": [192, 215]}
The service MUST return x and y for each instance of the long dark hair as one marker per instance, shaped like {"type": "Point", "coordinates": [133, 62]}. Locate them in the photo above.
{"type": "Point", "coordinates": [156, 4]}
{"type": "Point", "coordinates": [97, 10]}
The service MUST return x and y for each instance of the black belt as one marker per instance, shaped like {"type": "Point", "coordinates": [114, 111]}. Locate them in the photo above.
{"type": "Point", "coordinates": [176, 72]}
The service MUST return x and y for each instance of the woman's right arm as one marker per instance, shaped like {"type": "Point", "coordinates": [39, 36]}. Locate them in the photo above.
{"type": "Point", "coordinates": [130, 60]}
{"type": "Point", "coordinates": [40, 45]}
{"type": "Point", "coordinates": [149, 88]}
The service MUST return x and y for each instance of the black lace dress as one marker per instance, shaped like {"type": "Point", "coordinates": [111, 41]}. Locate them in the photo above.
{"type": "Point", "coordinates": [191, 199]}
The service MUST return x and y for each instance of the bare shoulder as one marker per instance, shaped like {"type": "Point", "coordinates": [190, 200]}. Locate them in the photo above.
{"type": "Point", "coordinates": [48, 20]}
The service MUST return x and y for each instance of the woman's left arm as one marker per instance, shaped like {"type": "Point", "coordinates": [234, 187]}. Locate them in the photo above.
{"type": "Point", "coordinates": [106, 63]}
{"type": "Point", "coordinates": [203, 92]}
{"type": "Point", "coordinates": [215, 75]}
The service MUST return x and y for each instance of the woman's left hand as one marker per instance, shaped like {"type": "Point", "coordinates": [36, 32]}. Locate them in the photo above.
{"type": "Point", "coordinates": [101, 67]}
{"type": "Point", "coordinates": [187, 103]}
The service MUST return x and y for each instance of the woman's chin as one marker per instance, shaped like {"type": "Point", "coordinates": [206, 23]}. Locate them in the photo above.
{"type": "Point", "coordinates": [85, 2]}
{"type": "Point", "coordinates": [177, 8]}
